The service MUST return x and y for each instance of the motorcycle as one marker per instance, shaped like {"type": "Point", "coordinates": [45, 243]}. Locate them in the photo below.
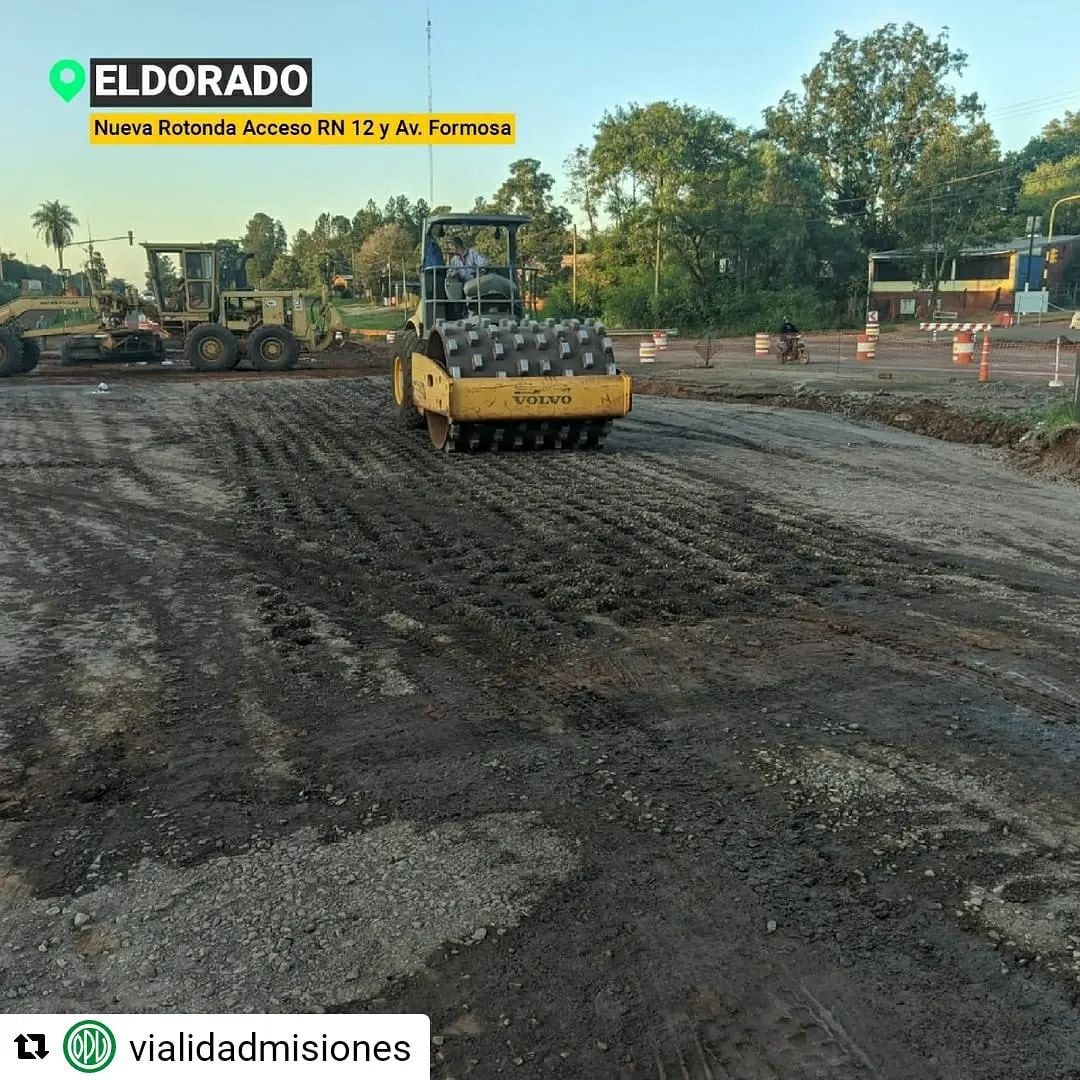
{"type": "Point", "coordinates": [792, 349]}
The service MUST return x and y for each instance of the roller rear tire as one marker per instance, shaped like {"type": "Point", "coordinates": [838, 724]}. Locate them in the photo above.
{"type": "Point", "coordinates": [408, 415]}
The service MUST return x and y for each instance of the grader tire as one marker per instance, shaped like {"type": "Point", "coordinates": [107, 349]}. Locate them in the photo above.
{"type": "Point", "coordinates": [273, 348]}
{"type": "Point", "coordinates": [11, 354]}
{"type": "Point", "coordinates": [408, 415]}
{"type": "Point", "coordinates": [210, 347]}
{"type": "Point", "coordinates": [31, 354]}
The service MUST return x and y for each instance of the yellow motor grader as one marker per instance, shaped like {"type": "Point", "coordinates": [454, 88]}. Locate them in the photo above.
{"type": "Point", "coordinates": [203, 299]}
{"type": "Point", "coordinates": [31, 322]}
{"type": "Point", "coordinates": [475, 368]}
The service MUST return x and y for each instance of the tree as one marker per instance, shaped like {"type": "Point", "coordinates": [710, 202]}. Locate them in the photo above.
{"type": "Point", "coordinates": [527, 190]}
{"type": "Point", "coordinates": [286, 273]}
{"type": "Point", "coordinates": [388, 244]}
{"type": "Point", "coordinates": [656, 149]}
{"type": "Point", "coordinates": [953, 198]}
{"type": "Point", "coordinates": [365, 222]}
{"type": "Point", "coordinates": [1044, 185]}
{"type": "Point", "coordinates": [1058, 140]}
{"type": "Point", "coordinates": [95, 270]}
{"type": "Point", "coordinates": [55, 224]}
{"type": "Point", "coordinates": [227, 249]}
{"type": "Point", "coordinates": [583, 191]}
{"type": "Point", "coordinates": [868, 112]}
{"type": "Point", "coordinates": [265, 239]}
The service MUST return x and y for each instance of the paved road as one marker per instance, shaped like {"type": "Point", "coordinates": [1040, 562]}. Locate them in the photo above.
{"type": "Point", "coordinates": [744, 748]}
{"type": "Point", "coordinates": [904, 359]}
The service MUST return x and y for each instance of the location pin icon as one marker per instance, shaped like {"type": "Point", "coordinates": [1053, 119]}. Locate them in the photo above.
{"type": "Point", "coordinates": [67, 78]}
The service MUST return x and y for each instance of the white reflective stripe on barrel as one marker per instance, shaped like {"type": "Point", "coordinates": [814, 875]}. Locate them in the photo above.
{"type": "Point", "coordinates": [963, 349]}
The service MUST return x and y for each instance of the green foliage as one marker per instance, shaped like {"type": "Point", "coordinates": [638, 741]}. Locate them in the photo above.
{"type": "Point", "coordinates": [265, 239]}
{"type": "Point", "coordinates": [389, 244]}
{"type": "Point", "coordinates": [1058, 140]}
{"type": "Point", "coordinates": [55, 224]}
{"type": "Point", "coordinates": [1044, 185]}
{"type": "Point", "coordinates": [8, 291]}
{"type": "Point", "coordinates": [945, 213]}
{"type": "Point", "coordinates": [751, 313]}
{"type": "Point", "coordinates": [15, 271]}
{"type": "Point", "coordinates": [629, 302]}
{"type": "Point", "coordinates": [868, 112]}
{"type": "Point", "coordinates": [286, 273]}
{"type": "Point", "coordinates": [528, 190]}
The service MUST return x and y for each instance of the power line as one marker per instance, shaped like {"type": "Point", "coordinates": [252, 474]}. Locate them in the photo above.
{"type": "Point", "coordinates": [1033, 104]}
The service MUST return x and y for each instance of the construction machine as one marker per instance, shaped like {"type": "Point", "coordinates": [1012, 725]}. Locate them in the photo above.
{"type": "Point", "coordinates": [203, 298]}
{"type": "Point", "coordinates": [480, 372]}
{"type": "Point", "coordinates": [31, 323]}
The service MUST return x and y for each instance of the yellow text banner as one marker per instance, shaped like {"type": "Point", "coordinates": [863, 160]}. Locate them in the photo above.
{"type": "Point", "coordinates": [302, 129]}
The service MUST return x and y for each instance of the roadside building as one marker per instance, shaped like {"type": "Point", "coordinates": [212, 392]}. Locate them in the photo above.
{"type": "Point", "coordinates": [978, 283]}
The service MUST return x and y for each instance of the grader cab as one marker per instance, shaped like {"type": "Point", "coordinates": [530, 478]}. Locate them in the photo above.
{"type": "Point", "coordinates": [204, 298]}
{"type": "Point", "coordinates": [476, 368]}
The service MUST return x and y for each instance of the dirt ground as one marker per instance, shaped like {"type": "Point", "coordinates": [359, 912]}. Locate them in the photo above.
{"type": "Point", "coordinates": [743, 748]}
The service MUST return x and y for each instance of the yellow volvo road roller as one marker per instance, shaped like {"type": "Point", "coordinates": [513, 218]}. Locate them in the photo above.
{"type": "Point", "coordinates": [476, 368]}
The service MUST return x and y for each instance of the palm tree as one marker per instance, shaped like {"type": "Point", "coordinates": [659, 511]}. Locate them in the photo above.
{"type": "Point", "coordinates": [55, 225]}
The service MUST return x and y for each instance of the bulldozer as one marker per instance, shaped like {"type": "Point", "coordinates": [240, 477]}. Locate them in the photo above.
{"type": "Point", "coordinates": [31, 323]}
{"type": "Point", "coordinates": [480, 372]}
{"type": "Point", "coordinates": [203, 298]}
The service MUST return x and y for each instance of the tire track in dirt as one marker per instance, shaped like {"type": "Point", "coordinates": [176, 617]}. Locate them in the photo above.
{"type": "Point", "coordinates": [509, 485]}
{"type": "Point", "coordinates": [165, 718]}
{"type": "Point", "coordinates": [348, 542]}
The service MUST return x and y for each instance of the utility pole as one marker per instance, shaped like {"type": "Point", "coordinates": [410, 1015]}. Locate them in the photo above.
{"type": "Point", "coordinates": [573, 264]}
{"type": "Point", "coordinates": [88, 243]}
{"type": "Point", "coordinates": [1033, 226]}
{"type": "Point", "coordinates": [431, 147]}
{"type": "Point", "coordinates": [656, 271]}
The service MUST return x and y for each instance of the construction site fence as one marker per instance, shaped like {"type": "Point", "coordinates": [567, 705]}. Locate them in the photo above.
{"type": "Point", "coordinates": [890, 356]}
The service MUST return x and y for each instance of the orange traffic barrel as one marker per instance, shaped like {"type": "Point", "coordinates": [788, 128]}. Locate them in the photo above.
{"type": "Point", "coordinates": [391, 337]}
{"type": "Point", "coordinates": [761, 344]}
{"type": "Point", "coordinates": [963, 347]}
{"type": "Point", "coordinates": [660, 340]}
{"type": "Point", "coordinates": [647, 351]}
{"type": "Point", "coordinates": [865, 348]}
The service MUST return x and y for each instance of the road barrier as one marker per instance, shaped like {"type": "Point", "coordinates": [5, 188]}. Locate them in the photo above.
{"type": "Point", "coordinates": [954, 326]}
{"type": "Point", "coordinates": [647, 351]}
{"type": "Point", "coordinates": [984, 360]}
{"type": "Point", "coordinates": [660, 340]}
{"type": "Point", "coordinates": [865, 348]}
{"type": "Point", "coordinates": [963, 348]}
{"type": "Point", "coordinates": [761, 344]}
{"type": "Point", "coordinates": [391, 337]}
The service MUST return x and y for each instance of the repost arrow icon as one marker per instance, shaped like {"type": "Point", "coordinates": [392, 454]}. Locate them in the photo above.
{"type": "Point", "coordinates": [39, 1050]}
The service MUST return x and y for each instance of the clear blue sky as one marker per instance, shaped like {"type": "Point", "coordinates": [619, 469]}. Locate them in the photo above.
{"type": "Point", "coordinates": [557, 65]}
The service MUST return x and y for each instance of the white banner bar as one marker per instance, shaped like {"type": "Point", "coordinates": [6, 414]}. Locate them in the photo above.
{"type": "Point", "coordinates": [48, 1046]}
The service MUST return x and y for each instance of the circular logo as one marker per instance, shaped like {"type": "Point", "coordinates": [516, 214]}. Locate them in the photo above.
{"type": "Point", "coordinates": [89, 1046]}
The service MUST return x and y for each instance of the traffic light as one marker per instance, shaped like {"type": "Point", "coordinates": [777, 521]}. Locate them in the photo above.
{"type": "Point", "coordinates": [131, 238]}
{"type": "Point", "coordinates": [1052, 255]}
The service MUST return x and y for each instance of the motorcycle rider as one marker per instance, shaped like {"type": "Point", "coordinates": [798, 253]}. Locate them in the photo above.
{"type": "Point", "coordinates": [789, 337]}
